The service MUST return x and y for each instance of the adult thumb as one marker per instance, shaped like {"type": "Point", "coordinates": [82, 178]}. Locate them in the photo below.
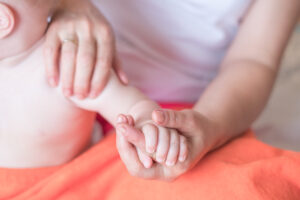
{"type": "Point", "coordinates": [179, 120]}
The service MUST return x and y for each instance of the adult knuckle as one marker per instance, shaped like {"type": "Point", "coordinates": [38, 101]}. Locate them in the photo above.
{"type": "Point", "coordinates": [85, 21]}
{"type": "Point", "coordinates": [135, 170]}
{"type": "Point", "coordinates": [106, 32]}
{"type": "Point", "coordinates": [183, 140]}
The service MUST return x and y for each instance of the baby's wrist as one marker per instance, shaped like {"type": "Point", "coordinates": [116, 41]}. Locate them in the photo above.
{"type": "Point", "coordinates": [142, 111]}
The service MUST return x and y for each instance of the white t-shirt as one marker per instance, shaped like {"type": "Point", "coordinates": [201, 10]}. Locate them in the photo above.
{"type": "Point", "coordinates": [172, 49]}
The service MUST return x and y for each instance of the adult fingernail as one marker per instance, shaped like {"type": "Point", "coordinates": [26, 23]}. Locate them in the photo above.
{"type": "Point", "coordinates": [148, 163]}
{"type": "Point", "coordinates": [52, 82]}
{"type": "Point", "coordinates": [124, 78]}
{"type": "Point", "coordinates": [80, 96]}
{"type": "Point", "coordinates": [160, 116]}
{"type": "Point", "coordinates": [159, 160]}
{"type": "Point", "coordinates": [93, 95]}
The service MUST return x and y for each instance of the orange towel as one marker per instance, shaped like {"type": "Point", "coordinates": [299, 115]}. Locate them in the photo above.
{"type": "Point", "coordinates": [243, 169]}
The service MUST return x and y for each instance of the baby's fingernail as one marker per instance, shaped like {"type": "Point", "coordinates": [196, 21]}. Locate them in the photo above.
{"type": "Point", "coordinates": [150, 149]}
{"type": "Point", "coordinates": [67, 92]}
{"type": "Point", "coordinates": [160, 116]}
{"type": "Point", "coordinates": [120, 119]}
{"type": "Point", "coordinates": [170, 163]}
{"type": "Point", "coordinates": [52, 82]}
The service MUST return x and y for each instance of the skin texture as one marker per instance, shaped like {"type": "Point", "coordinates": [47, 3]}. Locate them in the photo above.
{"type": "Point", "coordinates": [82, 67]}
{"type": "Point", "coordinates": [35, 118]}
{"type": "Point", "coordinates": [238, 94]}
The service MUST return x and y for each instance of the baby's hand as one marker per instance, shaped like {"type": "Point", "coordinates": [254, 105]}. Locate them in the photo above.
{"type": "Point", "coordinates": [163, 145]}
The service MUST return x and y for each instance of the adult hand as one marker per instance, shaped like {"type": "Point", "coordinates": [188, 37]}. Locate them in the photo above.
{"type": "Point", "coordinates": [80, 49]}
{"type": "Point", "coordinates": [198, 130]}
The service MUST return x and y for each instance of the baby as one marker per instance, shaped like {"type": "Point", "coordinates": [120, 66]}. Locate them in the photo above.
{"type": "Point", "coordinates": [39, 126]}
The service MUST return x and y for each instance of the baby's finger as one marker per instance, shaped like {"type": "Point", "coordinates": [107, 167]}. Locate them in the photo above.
{"type": "Point", "coordinates": [150, 132]}
{"type": "Point", "coordinates": [130, 120]}
{"type": "Point", "coordinates": [85, 67]}
{"type": "Point", "coordinates": [67, 67]}
{"type": "Point", "coordinates": [145, 159]}
{"type": "Point", "coordinates": [183, 152]}
{"type": "Point", "coordinates": [51, 53]}
{"type": "Point", "coordinates": [174, 148]}
{"type": "Point", "coordinates": [122, 119]}
{"type": "Point", "coordinates": [163, 145]}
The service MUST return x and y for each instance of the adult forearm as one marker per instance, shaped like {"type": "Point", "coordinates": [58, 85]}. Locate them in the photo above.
{"type": "Point", "coordinates": [236, 97]}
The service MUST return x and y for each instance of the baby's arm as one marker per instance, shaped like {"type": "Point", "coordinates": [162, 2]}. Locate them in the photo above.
{"type": "Point", "coordinates": [166, 144]}
{"type": "Point", "coordinates": [117, 98]}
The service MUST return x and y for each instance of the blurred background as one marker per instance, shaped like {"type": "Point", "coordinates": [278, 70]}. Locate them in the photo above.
{"type": "Point", "coordinates": [279, 124]}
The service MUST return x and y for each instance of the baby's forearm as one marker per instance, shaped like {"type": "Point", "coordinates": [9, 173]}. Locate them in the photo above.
{"type": "Point", "coordinates": [236, 97]}
{"type": "Point", "coordinates": [116, 99]}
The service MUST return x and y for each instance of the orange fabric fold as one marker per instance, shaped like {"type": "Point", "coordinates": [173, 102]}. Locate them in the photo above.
{"type": "Point", "coordinates": [242, 169]}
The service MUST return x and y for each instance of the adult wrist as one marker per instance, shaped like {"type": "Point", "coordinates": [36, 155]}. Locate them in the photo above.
{"type": "Point", "coordinates": [213, 130]}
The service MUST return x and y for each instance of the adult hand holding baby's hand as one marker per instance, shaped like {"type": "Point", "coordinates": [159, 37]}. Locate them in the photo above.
{"type": "Point", "coordinates": [197, 129]}
{"type": "Point", "coordinates": [80, 49]}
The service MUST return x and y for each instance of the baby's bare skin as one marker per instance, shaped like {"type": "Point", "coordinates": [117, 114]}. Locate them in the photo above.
{"type": "Point", "coordinates": [39, 126]}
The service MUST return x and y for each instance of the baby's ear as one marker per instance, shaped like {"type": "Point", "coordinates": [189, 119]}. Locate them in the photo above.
{"type": "Point", "coordinates": [7, 21]}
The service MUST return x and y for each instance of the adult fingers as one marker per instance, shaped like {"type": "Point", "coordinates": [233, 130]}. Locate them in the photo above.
{"type": "Point", "coordinates": [173, 149]}
{"type": "Point", "coordinates": [184, 121]}
{"type": "Point", "coordinates": [145, 159]}
{"type": "Point", "coordinates": [150, 132]}
{"type": "Point", "coordinates": [51, 53]}
{"type": "Point", "coordinates": [183, 152]}
{"type": "Point", "coordinates": [67, 67]}
{"type": "Point", "coordinates": [84, 67]}
{"type": "Point", "coordinates": [163, 145]}
{"type": "Point", "coordinates": [105, 51]}
{"type": "Point", "coordinates": [128, 155]}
